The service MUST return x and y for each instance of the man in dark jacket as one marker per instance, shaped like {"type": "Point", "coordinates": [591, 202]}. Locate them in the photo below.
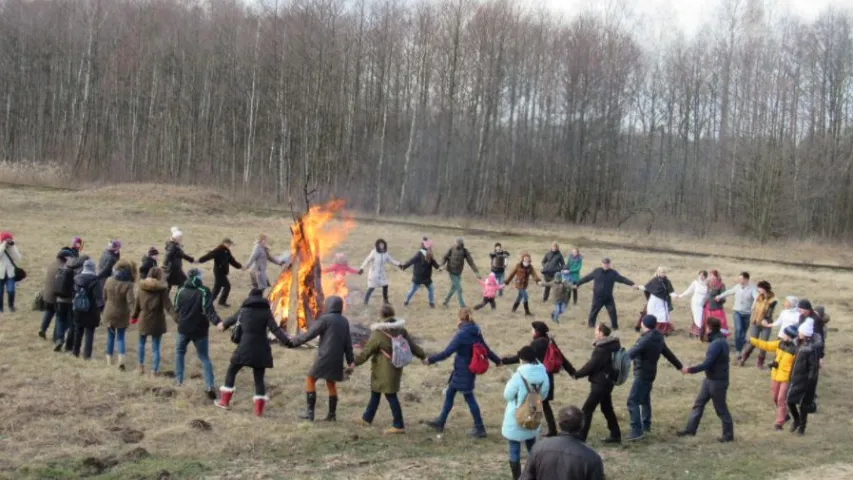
{"type": "Point", "coordinates": [552, 263]}
{"type": "Point", "coordinates": [604, 279]}
{"type": "Point", "coordinates": [716, 383]}
{"type": "Point", "coordinates": [194, 313]}
{"type": "Point", "coordinates": [335, 348]}
{"type": "Point", "coordinates": [87, 319]}
{"type": "Point", "coordinates": [64, 296]}
{"type": "Point", "coordinates": [645, 354]}
{"type": "Point", "coordinates": [148, 262]}
{"type": "Point", "coordinates": [599, 369]}
{"type": "Point", "coordinates": [564, 457]}
{"type": "Point", "coordinates": [455, 260]}
{"type": "Point", "coordinates": [223, 260]}
{"type": "Point", "coordinates": [108, 260]}
{"type": "Point", "coordinates": [540, 343]}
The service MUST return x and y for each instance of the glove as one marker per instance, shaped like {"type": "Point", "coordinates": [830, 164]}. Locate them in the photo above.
{"type": "Point", "coordinates": [361, 271]}
{"type": "Point", "coordinates": [133, 321]}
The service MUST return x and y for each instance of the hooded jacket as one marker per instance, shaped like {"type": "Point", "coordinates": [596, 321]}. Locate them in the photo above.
{"type": "Point", "coordinates": [422, 269]}
{"type": "Point", "coordinates": [256, 319]}
{"type": "Point", "coordinates": [521, 275]}
{"type": "Point", "coordinates": [194, 309]}
{"type": "Point", "coordinates": [151, 306]}
{"type": "Point", "coordinates": [646, 353]}
{"type": "Point", "coordinates": [384, 376]}
{"type": "Point", "coordinates": [335, 346]}
{"type": "Point", "coordinates": [784, 361]}
{"type": "Point", "coordinates": [376, 276]}
{"type": "Point", "coordinates": [462, 344]}
{"type": "Point", "coordinates": [108, 261]}
{"type": "Point", "coordinates": [48, 293]}
{"type": "Point", "coordinates": [173, 263]}
{"type": "Point", "coordinates": [599, 368]}
{"type": "Point", "coordinates": [804, 373]}
{"type": "Point", "coordinates": [119, 299]}
{"type": "Point", "coordinates": [490, 286]}
{"type": "Point", "coordinates": [540, 348]}
{"type": "Point", "coordinates": [515, 393]}
{"type": "Point", "coordinates": [145, 266]}
{"type": "Point", "coordinates": [89, 281]}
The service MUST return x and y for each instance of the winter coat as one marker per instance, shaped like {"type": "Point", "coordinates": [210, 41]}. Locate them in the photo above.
{"type": "Point", "coordinates": [7, 270]}
{"type": "Point", "coordinates": [119, 297]}
{"type": "Point", "coordinates": [422, 271]}
{"type": "Point", "coordinates": [515, 393]}
{"type": "Point", "coordinates": [563, 457]}
{"type": "Point", "coordinates": [560, 289]}
{"type": "Point", "coordinates": [804, 374]}
{"type": "Point", "coordinates": [499, 261]}
{"type": "Point", "coordinates": [553, 263]}
{"type": "Point", "coordinates": [257, 264]}
{"type": "Point", "coordinates": [716, 363]}
{"type": "Point", "coordinates": [762, 309]}
{"type": "Point", "coordinates": [540, 348]}
{"type": "Point", "coordinates": [462, 344]}
{"type": "Point", "coordinates": [75, 264]}
{"type": "Point", "coordinates": [256, 319]}
{"type": "Point", "coordinates": [376, 276]}
{"type": "Point", "coordinates": [223, 260]}
{"type": "Point", "coordinates": [384, 376]}
{"type": "Point", "coordinates": [599, 368]}
{"type": "Point", "coordinates": [151, 306]}
{"type": "Point", "coordinates": [335, 342]}
{"type": "Point", "coordinates": [713, 293]}
{"type": "Point", "coordinates": [521, 275]}
{"type": "Point", "coordinates": [575, 264]}
{"type": "Point", "coordinates": [194, 310]}
{"type": "Point", "coordinates": [173, 263]}
{"type": "Point", "coordinates": [145, 266]}
{"type": "Point", "coordinates": [603, 282]}
{"type": "Point", "coordinates": [106, 264]}
{"type": "Point", "coordinates": [47, 292]}
{"type": "Point", "coordinates": [646, 353]}
{"type": "Point", "coordinates": [455, 259]}
{"type": "Point", "coordinates": [786, 352]}
{"type": "Point", "coordinates": [92, 318]}
{"type": "Point", "coordinates": [490, 287]}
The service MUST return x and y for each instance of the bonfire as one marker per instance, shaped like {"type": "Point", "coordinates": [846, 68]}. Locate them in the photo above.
{"type": "Point", "coordinates": [300, 287]}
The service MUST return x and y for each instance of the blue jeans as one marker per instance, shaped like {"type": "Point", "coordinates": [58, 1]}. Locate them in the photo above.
{"type": "Point", "coordinates": [559, 309]}
{"type": "Point", "coordinates": [430, 290]}
{"type": "Point", "coordinates": [201, 349]}
{"type": "Point", "coordinates": [500, 278]}
{"type": "Point", "coordinates": [455, 287]}
{"type": "Point", "coordinates": [155, 352]}
{"type": "Point", "coordinates": [9, 284]}
{"type": "Point", "coordinates": [640, 406]}
{"type": "Point", "coordinates": [115, 336]}
{"type": "Point", "coordinates": [49, 312]}
{"type": "Point", "coordinates": [449, 396]}
{"type": "Point", "coordinates": [393, 402]}
{"type": "Point", "coordinates": [741, 327]}
{"type": "Point", "coordinates": [515, 449]}
{"type": "Point", "coordinates": [522, 296]}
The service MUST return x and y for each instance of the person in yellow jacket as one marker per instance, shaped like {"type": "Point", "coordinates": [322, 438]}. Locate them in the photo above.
{"type": "Point", "coordinates": [786, 349]}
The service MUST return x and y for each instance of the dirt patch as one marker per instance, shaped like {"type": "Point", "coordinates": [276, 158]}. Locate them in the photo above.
{"type": "Point", "coordinates": [136, 454]}
{"type": "Point", "coordinates": [131, 436]}
{"type": "Point", "coordinates": [92, 466]}
{"type": "Point", "coordinates": [163, 392]}
{"type": "Point", "coordinates": [410, 397]}
{"type": "Point", "coordinates": [164, 475]}
{"type": "Point", "coordinates": [200, 425]}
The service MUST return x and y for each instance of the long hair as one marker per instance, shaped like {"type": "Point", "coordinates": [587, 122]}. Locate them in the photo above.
{"type": "Point", "coordinates": [465, 315]}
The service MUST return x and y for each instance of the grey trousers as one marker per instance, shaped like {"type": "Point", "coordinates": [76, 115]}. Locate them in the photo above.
{"type": "Point", "coordinates": [756, 331]}
{"type": "Point", "coordinates": [715, 391]}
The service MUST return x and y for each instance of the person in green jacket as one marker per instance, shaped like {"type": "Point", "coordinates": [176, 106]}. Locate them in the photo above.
{"type": "Point", "coordinates": [384, 376]}
{"type": "Point", "coordinates": [454, 261]}
{"type": "Point", "coordinates": [574, 264]}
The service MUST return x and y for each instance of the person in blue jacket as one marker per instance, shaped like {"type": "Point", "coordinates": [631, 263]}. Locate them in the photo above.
{"type": "Point", "coordinates": [530, 376]}
{"type": "Point", "coordinates": [462, 380]}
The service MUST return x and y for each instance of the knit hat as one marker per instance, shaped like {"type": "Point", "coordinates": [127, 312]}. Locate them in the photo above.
{"type": "Point", "coordinates": [765, 285]}
{"type": "Point", "coordinates": [605, 260]}
{"type": "Point", "coordinates": [194, 273]}
{"type": "Point", "coordinates": [153, 251]}
{"type": "Point", "coordinates": [114, 245]}
{"type": "Point", "coordinates": [177, 233]}
{"type": "Point", "coordinates": [805, 304]}
{"type": "Point", "coordinates": [340, 258]}
{"type": "Point", "coordinates": [650, 321]}
{"type": "Point", "coordinates": [790, 331]}
{"type": "Point", "coordinates": [5, 236]}
{"type": "Point", "coordinates": [527, 354]}
{"type": "Point", "coordinates": [807, 328]}
{"type": "Point", "coordinates": [88, 266]}
{"type": "Point", "coordinates": [76, 242]}
{"type": "Point", "coordinates": [540, 328]}
{"type": "Point", "coordinates": [227, 241]}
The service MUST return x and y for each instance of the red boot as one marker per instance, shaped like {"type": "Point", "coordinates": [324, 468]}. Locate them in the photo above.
{"type": "Point", "coordinates": [260, 402]}
{"type": "Point", "coordinates": [225, 395]}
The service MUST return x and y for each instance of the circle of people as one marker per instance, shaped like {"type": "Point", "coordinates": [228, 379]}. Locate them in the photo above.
{"type": "Point", "coordinates": [79, 295]}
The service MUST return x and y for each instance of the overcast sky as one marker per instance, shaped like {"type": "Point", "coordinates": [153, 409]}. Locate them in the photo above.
{"type": "Point", "coordinates": [690, 14]}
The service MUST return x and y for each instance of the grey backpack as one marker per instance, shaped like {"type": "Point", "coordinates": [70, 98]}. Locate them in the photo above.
{"type": "Point", "coordinates": [401, 351]}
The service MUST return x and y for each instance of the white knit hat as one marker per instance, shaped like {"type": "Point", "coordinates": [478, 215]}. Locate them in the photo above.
{"type": "Point", "coordinates": [176, 232]}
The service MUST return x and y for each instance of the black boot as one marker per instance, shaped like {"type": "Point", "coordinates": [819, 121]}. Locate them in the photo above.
{"type": "Point", "coordinates": [333, 408]}
{"type": "Point", "coordinates": [12, 302]}
{"type": "Point", "coordinates": [515, 468]}
{"type": "Point", "coordinates": [527, 309]}
{"type": "Point", "coordinates": [311, 402]}
{"type": "Point", "coordinates": [515, 306]}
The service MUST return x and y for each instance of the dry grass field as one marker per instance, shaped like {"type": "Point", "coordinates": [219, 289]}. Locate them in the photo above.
{"type": "Point", "coordinates": [61, 417]}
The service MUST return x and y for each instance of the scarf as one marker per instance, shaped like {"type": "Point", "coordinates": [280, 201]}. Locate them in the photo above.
{"type": "Point", "coordinates": [762, 307]}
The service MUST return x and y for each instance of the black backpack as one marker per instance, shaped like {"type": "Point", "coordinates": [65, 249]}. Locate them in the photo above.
{"type": "Point", "coordinates": [63, 282]}
{"type": "Point", "coordinates": [499, 260]}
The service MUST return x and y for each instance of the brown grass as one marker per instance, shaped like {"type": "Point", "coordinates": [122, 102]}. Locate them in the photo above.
{"type": "Point", "coordinates": [57, 411]}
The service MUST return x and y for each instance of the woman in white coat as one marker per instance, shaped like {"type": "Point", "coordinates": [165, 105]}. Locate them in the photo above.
{"type": "Point", "coordinates": [9, 258]}
{"type": "Point", "coordinates": [377, 277]}
{"type": "Point", "coordinates": [698, 292]}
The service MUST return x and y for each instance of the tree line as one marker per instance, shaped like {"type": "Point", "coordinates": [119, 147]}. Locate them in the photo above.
{"type": "Point", "coordinates": [448, 107]}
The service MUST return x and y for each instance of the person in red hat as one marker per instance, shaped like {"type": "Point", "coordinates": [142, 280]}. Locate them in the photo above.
{"type": "Point", "coordinates": [9, 258]}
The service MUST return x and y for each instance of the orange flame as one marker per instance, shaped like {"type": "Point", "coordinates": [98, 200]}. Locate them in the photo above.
{"type": "Point", "coordinates": [312, 235]}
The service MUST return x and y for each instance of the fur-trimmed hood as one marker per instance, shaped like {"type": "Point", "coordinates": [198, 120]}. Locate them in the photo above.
{"type": "Point", "coordinates": [153, 285]}
{"type": "Point", "coordinates": [389, 324]}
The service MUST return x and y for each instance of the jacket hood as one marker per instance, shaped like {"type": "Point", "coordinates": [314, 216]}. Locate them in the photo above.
{"type": "Point", "coordinates": [85, 278]}
{"type": "Point", "coordinates": [378, 245]}
{"type": "Point", "coordinates": [152, 285]}
{"type": "Point", "coordinates": [66, 253]}
{"type": "Point", "coordinates": [471, 329]}
{"type": "Point", "coordinates": [256, 301]}
{"type": "Point", "coordinates": [533, 372]}
{"type": "Point", "coordinates": [334, 304]}
{"type": "Point", "coordinates": [389, 324]}
{"type": "Point", "coordinates": [610, 344]}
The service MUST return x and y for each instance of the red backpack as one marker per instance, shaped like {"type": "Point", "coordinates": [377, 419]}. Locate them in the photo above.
{"type": "Point", "coordinates": [553, 360]}
{"type": "Point", "coordinates": [479, 359]}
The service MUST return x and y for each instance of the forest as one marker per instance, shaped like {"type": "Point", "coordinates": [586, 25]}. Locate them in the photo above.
{"type": "Point", "coordinates": [488, 109]}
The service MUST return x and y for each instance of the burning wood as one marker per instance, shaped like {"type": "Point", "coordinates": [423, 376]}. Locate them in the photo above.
{"type": "Point", "coordinates": [312, 235]}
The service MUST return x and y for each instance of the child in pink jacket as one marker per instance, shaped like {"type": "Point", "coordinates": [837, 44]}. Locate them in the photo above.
{"type": "Point", "coordinates": [491, 287]}
{"type": "Point", "coordinates": [340, 269]}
